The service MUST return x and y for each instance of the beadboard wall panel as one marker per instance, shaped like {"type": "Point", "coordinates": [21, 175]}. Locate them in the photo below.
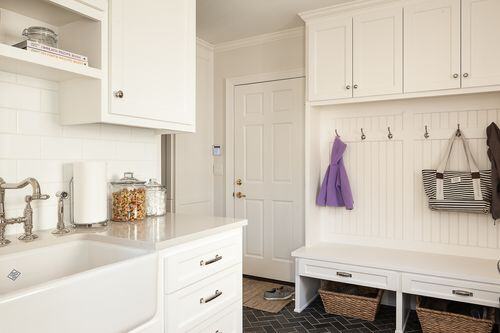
{"type": "Point", "coordinates": [385, 174]}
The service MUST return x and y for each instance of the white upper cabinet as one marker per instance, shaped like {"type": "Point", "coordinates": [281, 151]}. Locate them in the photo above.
{"type": "Point", "coordinates": [480, 42]}
{"type": "Point", "coordinates": [378, 52]}
{"type": "Point", "coordinates": [432, 45]}
{"type": "Point", "coordinates": [330, 59]}
{"type": "Point", "coordinates": [153, 64]}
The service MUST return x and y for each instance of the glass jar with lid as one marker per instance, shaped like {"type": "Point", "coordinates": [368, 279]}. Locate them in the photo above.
{"type": "Point", "coordinates": [128, 199]}
{"type": "Point", "coordinates": [41, 35]}
{"type": "Point", "coordinates": [156, 198]}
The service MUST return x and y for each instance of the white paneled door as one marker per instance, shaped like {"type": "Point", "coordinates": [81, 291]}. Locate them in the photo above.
{"type": "Point", "coordinates": [269, 174]}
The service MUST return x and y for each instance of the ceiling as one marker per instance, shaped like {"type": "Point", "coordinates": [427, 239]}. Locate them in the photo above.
{"type": "Point", "coordinates": [225, 20]}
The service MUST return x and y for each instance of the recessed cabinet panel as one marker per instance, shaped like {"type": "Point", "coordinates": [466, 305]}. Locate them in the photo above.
{"type": "Point", "coordinates": [432, 45]}
{"type": "Point", "coordinates": [330, 59]}
{"type": "Point", "coordinates": [378, 53]}
{"type": "Point", "coordinates": [153, 60]}
{"type": "Point", "coordinates": [480, 43]}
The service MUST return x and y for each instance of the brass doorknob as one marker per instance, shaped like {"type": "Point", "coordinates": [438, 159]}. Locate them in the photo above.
{"type": "Point", "coordinates": [240, 195]}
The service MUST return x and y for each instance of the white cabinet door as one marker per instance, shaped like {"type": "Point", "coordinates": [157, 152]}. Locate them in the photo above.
{"type": "Point", "coordinates": [480, 42]}
{"type": "Point", "coordinates": [330, 59]}
{"type": "Point", "coordinates": [153, 62]}
{"type": "Point", "coordinates": [432, 45]}
{"type": "Point", "coordinates": [378, 53]}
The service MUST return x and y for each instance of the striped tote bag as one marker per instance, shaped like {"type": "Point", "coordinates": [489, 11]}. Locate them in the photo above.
{"type": "Point", "coordinates": [458, 191]}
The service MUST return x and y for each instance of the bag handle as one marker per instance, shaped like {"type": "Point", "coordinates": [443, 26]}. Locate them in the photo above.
{"type": "Point", "coordinates": [476, 179]}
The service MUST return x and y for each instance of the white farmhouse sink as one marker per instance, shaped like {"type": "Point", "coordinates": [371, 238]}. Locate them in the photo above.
{"type": "Point", "coordinates": [77, 286]}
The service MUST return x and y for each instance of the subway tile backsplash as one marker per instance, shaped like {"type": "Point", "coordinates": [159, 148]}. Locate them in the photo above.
{"type": "Point", "coordinates": [34, 144]}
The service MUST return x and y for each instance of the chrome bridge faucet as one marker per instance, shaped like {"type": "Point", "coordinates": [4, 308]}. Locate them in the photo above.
{"type": "Point", "coordinates": [27, 218]}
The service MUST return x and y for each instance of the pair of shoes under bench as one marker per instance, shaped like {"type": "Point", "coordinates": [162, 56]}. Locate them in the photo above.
{"type": "Point", "coordinates": [279, 294]}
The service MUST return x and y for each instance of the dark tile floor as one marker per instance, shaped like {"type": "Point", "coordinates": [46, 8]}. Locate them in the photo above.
{"type": "Point", "coordinates": [314, 319]}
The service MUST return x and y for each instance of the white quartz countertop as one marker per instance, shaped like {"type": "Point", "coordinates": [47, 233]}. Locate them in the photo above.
{"type": "Point", "coordinates": [154, 233]}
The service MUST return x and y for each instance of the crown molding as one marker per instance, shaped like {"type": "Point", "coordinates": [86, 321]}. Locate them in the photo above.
{"type": "Point", "coordinates": [205, 44]}
{"type": "Point", "coordinates": [343, 7]}
{"type": "Point", "coordinates": [259, 39]}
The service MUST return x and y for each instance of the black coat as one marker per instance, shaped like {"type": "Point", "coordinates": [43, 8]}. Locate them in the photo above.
{"type": "Point", "coordinates": [493, 141]}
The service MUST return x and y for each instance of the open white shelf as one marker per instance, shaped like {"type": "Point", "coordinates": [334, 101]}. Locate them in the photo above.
{"type": "Point", "coordinates": [20, 61]}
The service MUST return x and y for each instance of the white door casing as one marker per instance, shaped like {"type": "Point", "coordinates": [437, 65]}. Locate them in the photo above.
{"type": "Point", "coordinates": [480, 43]}
{"type": "Point", "coordinates": [329, 46]}
{"type": "Point", "coordinates": [432, 45]}
{"type": "Point", "coordinates": [378, 52]}
{"type": "Point", "coordinates": [269, 160]}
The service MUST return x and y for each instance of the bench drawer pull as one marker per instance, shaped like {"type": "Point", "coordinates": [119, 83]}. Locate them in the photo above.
{"type": "Point", "coordinates": [462, 293]}
{"type": "Point", "coordinates": [343, 274]}
{"type": "Point", "coordinates": [211, 261]}
{"type": "Point", "coordinates": [210, 298]}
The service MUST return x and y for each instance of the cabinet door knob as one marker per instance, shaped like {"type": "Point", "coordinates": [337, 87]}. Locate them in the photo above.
{"type": "Point", "coordinates": [466, 74]}
{"type": "Point", "coordinates": [355, 86]}
{"type": "Point", "coordinates": [119, 94]}
{"type": "Point", "coordinates": [455, 76]}
{"type": "Point", "coordinates": [348, 87]}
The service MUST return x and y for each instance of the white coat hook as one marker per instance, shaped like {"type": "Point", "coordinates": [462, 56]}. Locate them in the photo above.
{"type": "Point", "coordinates": [426, 134]}
{"type": "Point", "coordinates": [389, 135]}
{"type": "Point", "coordinates": [363, 136]}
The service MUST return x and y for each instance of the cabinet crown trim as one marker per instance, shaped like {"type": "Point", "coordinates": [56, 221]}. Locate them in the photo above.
{"type": "Point", "coordinates": [343, 7]}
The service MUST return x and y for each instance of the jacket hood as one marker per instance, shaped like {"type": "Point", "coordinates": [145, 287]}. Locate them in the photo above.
{"type": "Point", "coordinates": [338, 150]}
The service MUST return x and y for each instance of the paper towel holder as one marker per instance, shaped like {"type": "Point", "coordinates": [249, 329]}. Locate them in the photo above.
{"type": "Point", "coordinates": [72, 215]}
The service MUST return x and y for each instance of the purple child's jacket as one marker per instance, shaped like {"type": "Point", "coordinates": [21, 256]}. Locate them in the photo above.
{"type": "Point", "coordinates": [335, 189]}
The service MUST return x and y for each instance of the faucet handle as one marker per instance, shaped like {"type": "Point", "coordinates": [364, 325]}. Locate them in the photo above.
{"type": "Point", "coordinates": [30, 198]}
{"type": "Point", "coordinates": [61, 228]}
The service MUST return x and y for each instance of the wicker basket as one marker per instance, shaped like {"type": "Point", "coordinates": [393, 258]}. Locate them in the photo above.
{"type": "Point", "coordinates": [349, 305]}
{"type": "Point", "coordinates": [434, 321]}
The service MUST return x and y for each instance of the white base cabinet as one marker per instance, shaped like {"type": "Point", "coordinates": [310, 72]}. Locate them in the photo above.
{"type": "Point", "coordinates": [203, 285]}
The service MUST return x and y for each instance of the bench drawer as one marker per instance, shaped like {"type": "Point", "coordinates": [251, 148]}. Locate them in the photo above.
{"type": "Point", "coordinates": [452, 289]}
{"type": "Point", "coordinates": [363, 276]}
{"type": "Point", "coordinates": [196, 261]}
{"type": "Point", "coordinates": [197, 303]}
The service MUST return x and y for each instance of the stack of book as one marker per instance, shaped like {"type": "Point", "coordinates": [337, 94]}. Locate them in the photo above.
{"type": "Point", "coordinates": [53, 52]}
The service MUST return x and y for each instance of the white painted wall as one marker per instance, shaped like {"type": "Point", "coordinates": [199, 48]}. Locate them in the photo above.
{"type": "Point", "coordinates": [193, 151]}
{"type": "Point", "coordinates": [390, 206]}
{"type": "Point", "coordinates": [33, 144]}
{"type": "Point", "coordinates": [273, 56]}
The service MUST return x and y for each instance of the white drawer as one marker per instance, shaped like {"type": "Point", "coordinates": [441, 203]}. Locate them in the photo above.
{"type": "Point", "coordinates": [358, 275]}
{"type": "Point", "coordinates": [193, 305]}
{"type": "Point", "coordinates": [198, 260]}
{"type": "Point", "coordinates": [452, 289]}
{"type": "Point", "coordinates": [228, 321]}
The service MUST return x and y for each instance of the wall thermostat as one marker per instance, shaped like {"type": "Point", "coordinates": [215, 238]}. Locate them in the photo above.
{"type": "Point", "coordinates": [216, 150]}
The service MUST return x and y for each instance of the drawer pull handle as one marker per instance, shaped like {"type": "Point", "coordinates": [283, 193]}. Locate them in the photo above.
{"type": "Point", "coordinates": [462, 293]}
{"type": "Point", "coordinates": [211, 261]}
{"type": "Point", "coordinates": [210, 298]}
{"type": "Point", "coordinates": [343, 274]}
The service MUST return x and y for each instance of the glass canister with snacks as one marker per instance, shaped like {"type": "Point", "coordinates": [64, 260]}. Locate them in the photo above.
{"type": "Point", "coordinates": [128, 199]}
{"type": "Point", "coordinates": [156, 198]}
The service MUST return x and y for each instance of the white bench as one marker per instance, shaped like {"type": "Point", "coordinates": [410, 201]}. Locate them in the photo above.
{"type": "Point", "coordinates": [463, 279]}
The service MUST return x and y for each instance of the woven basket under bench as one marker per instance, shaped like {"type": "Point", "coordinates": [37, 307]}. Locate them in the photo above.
{"type": "Point", "coordinates": [359, 302]}
{"type": "Point", "coordinates": [435, 321]}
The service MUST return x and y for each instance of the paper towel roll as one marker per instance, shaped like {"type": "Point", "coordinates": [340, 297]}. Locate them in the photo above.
{"type": "Point", "coordinates": [90, 193]}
